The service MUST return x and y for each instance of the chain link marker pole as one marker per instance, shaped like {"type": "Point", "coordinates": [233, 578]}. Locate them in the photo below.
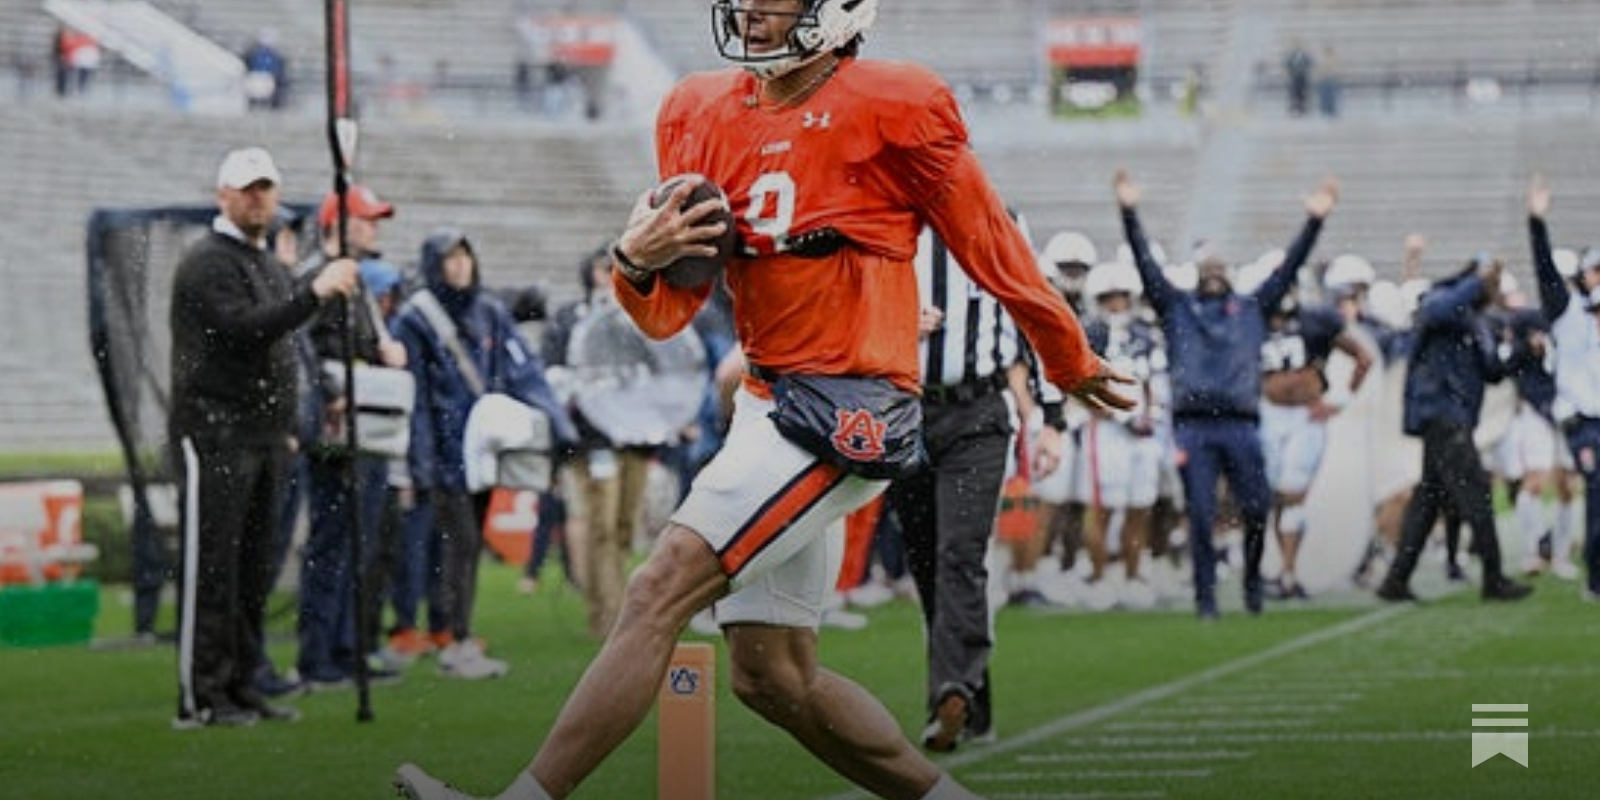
{"type": "Point", "coordinates": [687, 725]}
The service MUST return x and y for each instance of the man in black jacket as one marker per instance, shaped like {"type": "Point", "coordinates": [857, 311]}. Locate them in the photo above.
{"type": "Point", "coordinates": [234, 307]}
{"type": "Point", "coordinates": [1454, 357]}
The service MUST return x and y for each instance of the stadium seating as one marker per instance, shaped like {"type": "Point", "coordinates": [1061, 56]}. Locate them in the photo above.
{"type": "Point", "coordinates": [537, 194]}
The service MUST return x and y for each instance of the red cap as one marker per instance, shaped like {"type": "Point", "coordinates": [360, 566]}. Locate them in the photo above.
{"type": "Point", "coordinates": [362, 203]}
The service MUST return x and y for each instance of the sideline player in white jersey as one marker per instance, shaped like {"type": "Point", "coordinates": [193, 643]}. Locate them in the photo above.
{"type": "Point", "coordinates": [1295, 407]}
{"type": "Point", "coordinates": [1122, 452]}
{"type": "Point", "coordinates": [1529, 456]}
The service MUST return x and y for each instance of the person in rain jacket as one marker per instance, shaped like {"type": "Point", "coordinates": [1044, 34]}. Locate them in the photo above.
{"type": "Point", "coordinates": [450, 314]}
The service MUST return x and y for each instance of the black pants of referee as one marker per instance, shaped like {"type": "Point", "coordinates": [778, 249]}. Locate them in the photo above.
{"type": "Point", "coordinates": [1453, 478]}
{"type": "Point", "coordinates": [947, 514]}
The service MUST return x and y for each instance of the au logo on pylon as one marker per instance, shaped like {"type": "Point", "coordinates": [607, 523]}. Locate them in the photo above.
{"type": "Point", "coordinates": [1488, 744]}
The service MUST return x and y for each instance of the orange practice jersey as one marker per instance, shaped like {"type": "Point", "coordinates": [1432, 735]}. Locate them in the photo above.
{"type": "Point", "coordinates": [878, 149]}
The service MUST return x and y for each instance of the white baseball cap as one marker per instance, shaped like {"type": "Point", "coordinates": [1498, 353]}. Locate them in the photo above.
{"type": "Point", "coordinates": [245, 166]}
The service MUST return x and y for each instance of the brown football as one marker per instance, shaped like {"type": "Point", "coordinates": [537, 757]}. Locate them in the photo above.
{"type": "Point", "coordinates": [698, 270]}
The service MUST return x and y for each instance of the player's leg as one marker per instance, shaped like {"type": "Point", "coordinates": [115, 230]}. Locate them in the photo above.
{"type": "Point", "coordinates": [771, 625]}
{"type": "Point", "coordinates": [681, 576]}
{"type": "Point", "coordinates": [1583, 441]}
{"type": "Point", "coordinates": [1564, 479]}
{"type": "Point", "coordinates": [1516, 460]}
{"type": "Point", "coordinates": [1277, 426]}
{"type": "Point", "coordinates": [1138, 500]}
{"type": "Point", "coordinates": [776, 674]}
{"type": "Point", "coordinates": [1104, 471]}
{"type": "Point", "coordinates": [1529, 509]}
{"type": "Point", "coordinates": [1097, 521]}
{"type": "Point", "coordinates": [1302, 457]}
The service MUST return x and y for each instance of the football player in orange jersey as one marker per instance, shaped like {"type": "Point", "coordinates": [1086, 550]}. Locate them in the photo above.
{"type": "Point", "coordinates": [831, 165]}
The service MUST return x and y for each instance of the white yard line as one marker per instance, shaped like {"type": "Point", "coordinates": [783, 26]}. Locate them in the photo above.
{"type": "Point", "coordinates": [1135, 755]}
{"type": "Point", "coordinates": [1153, 794]}
{"type": "Point", "coordinates": [1332, 737]}
{"type": "Point", "coordinates": [1238, 722]}
{"type": "Point", "coordinates": [1233, 699]}
{"type": "Point", "coordinates": [1154, 694]}
{"type": "Point", "coordinates": [976, 780]}
{"type": "Point", "coordinates": [1274, 707]}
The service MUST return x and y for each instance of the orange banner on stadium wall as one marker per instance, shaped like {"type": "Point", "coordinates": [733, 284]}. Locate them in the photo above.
{"type": "Point", "coordinates": [1094, 41]}
{"type": "Point", "coordinates": [508, 526]}
{"type": "Point", "coordinates": [38, 518]}
{"type": "Point", "coordinates": [577, 41]}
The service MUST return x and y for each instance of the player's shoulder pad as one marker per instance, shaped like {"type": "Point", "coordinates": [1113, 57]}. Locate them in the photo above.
{"type": "Point", "coordinates": [697, 90]}
{"type": "Point", "coordinates": [912, 106]}
{"type": "Point", "coordinates": [897, 83]}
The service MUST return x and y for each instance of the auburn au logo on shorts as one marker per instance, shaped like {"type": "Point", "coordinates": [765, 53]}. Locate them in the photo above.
{"type": "Point", "coordinates": [858, 435]}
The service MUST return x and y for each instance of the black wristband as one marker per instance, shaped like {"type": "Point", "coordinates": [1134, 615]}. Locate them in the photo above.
{"type": "Point", "coordinates": [635, 274]}
{"type": "Point", "coordinates": [1055, 415]}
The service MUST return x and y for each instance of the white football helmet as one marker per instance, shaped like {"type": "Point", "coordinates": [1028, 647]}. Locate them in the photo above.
{"type": "Point", "coordinates": [1386, 305]}
{"type": "Point", "coordinates": [1411, 292]}
{"type": "Point", "coordinates": [1112, 277]}
{"type": "Point", "coordinates": [1348, 272]}
{"type": "Point", "coordinates": [821, 26]}
{"type": "Point", "coordinates": [1069, 247]}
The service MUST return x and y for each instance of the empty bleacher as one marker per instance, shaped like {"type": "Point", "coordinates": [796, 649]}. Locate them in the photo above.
{"type": "Point", "coordinates": [536, 195]}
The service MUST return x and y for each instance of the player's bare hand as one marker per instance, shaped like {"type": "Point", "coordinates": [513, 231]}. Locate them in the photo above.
{"type": "Point", "coordinates": [1538, 196]}
{"type": "Point", "coordinates": [1047, 450]}
{"type": "Point", "coordinates": [658, 235]}
{"type": "Point", "coordinates": [1126, 190]}
{"type": "Point", "coordinates": [1321, 201]}
{"type": "Point", "coordinates": [1320, 411]}
{"type": "Point", "coordinates": [337, 277]}
{"type": "Point", "coordinates": [392, 354]}
{"type": "Point", "coordinates": [1100, 392]}
{"type": "Point", "coordinates": [929, 319]}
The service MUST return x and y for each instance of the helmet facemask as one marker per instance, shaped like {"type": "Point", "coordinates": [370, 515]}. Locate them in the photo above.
{"type": "Point", "coordinates": [821, 26]}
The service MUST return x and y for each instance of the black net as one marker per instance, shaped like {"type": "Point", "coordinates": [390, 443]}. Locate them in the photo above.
{"type": "Point", "coordinates": [132, 255]}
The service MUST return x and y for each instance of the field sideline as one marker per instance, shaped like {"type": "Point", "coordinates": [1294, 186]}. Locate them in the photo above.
{"type": "Point", "coordinates": [1352, 701]}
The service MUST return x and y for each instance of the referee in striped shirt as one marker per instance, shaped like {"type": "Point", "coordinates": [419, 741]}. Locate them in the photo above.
{"type": "Point", "coordinates": [972, 356]}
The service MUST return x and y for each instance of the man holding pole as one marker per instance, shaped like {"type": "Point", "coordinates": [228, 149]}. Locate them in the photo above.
{"type": "Point", "coordinates": [347, 487]}
{"type": "Point", "coordinates": [234, 307]}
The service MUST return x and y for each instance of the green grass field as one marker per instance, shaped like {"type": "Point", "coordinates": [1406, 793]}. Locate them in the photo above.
{"type": "Point", "coordinates": [1342, 700]}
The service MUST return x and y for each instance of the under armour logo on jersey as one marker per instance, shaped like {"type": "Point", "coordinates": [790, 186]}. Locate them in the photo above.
{"type": "Point", "coordinates": [859, 435]}
{"type": "Point", "coordinates": [812, 120]}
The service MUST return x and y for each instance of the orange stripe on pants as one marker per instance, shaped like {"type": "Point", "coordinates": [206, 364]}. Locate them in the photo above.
{"type": "Point", "coordinates": [774, 518]}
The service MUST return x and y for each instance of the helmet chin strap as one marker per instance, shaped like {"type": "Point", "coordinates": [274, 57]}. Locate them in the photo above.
{"type": "Point", "coordinates": [773, 70]}
{"type": "Point", "coordinates": [796, 95]}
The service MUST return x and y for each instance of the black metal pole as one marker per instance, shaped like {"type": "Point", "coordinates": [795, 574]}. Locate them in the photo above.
{"type": "Point", "coordinates": [342, 142]}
